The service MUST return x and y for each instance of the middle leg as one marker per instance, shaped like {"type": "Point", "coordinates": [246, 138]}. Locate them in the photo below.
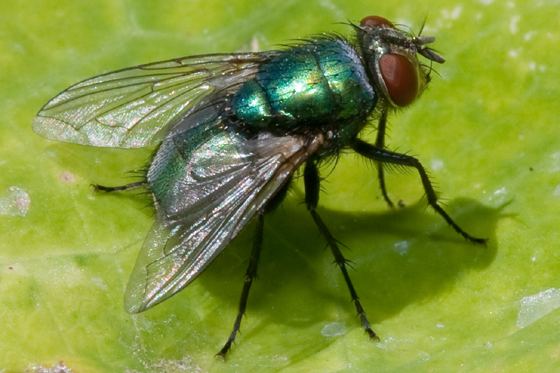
{"type": "Point", "coordinates": [312, 187]}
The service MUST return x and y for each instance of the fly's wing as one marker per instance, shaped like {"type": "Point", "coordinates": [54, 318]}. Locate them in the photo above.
{"type": "Point", "coordinates": [129, 108]}
{"type": "Point", "coordinates": [206, 190]}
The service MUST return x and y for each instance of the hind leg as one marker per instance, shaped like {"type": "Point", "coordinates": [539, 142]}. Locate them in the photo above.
{"type": "Point", "coordinates": [103, 188]}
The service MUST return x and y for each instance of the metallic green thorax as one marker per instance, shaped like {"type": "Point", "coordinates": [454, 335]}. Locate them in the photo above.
{"type": "Point", "coordinates": [321, 83]}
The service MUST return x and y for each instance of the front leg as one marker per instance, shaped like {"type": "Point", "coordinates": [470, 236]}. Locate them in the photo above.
{"type": "Point", "coordinates": [385, 156]}
{"type": "Point", "coordinates": [380, 143]}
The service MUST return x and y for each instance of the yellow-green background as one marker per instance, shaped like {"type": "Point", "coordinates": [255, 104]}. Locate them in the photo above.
{"type": "Point", "coordinates": [487, 129]}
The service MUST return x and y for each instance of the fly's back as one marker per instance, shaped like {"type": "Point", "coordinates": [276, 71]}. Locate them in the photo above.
{"type": "Point", "coordinates": [318, 83]}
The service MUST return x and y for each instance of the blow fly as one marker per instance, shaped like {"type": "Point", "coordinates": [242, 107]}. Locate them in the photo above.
{"type": "Point", "coordinates": [230, 131]}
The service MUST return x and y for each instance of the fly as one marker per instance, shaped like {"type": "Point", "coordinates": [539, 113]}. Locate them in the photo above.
{"type": "Point", "coordinates": [230, 131]}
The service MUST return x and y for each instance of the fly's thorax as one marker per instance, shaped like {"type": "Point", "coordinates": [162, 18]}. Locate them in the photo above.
{"type": "Point", "coordinates": [318, 84]}
{"type": "Point", "coordinates": [391, 56]}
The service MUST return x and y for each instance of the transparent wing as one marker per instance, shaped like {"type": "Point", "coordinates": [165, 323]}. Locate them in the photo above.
{"type": "Point", "coordinates": [227, 179]}
{"type": "Point", "coordinates": [129, 108]}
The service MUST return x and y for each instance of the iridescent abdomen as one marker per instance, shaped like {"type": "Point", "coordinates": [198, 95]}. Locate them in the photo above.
{"type": "Point", "coordinates": [319, 83]}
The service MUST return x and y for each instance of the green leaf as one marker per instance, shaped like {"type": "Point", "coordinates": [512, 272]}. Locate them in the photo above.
{"type": "Point", "coordinates": [486, 130]}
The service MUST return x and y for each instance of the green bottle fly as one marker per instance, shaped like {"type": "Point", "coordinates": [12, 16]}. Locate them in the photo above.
{"type": "Point", "coordinates": [230, 131]}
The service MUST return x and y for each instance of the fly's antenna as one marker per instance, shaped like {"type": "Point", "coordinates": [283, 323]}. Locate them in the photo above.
{"type": "Point", "coordinates": [430, 53]}
{"type": "Point", "coordinates": [420, 41]}
{"type": "Point", "coordinates": [422, 26]}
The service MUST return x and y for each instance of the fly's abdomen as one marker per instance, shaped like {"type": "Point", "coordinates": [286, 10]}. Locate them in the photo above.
{"type": "Point", "coordinates": [318, 83]}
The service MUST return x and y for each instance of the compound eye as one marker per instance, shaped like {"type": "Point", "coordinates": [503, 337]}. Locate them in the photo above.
{"type": "Point", "coordinates": [375, 21]}
{"type": "Point", "coordinates": [400, 77]}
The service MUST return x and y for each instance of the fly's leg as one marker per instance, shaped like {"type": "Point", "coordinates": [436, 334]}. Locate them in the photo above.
{"type": "Point", "coordinates": [103, 188]}
{"type": "Point", "coordinates": [385, 156]}
{"type": "Point", "coordinates": [380, 143]}
{"type": "Point", "coordinates": [312, 187]}
{"type": "Point", "coordinates": [251, 272]}
{"type": "Point", "coordinates": [250, 275]}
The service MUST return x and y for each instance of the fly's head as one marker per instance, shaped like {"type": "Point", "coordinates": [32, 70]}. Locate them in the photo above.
{"type": "Point", "coordinates": [391, 55]}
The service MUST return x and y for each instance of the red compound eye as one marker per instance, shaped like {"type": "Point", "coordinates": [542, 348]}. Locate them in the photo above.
{"type": "Point", "coordinates": [376, 21]}
{"type": "Point", "coordinates": [400, 78]}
